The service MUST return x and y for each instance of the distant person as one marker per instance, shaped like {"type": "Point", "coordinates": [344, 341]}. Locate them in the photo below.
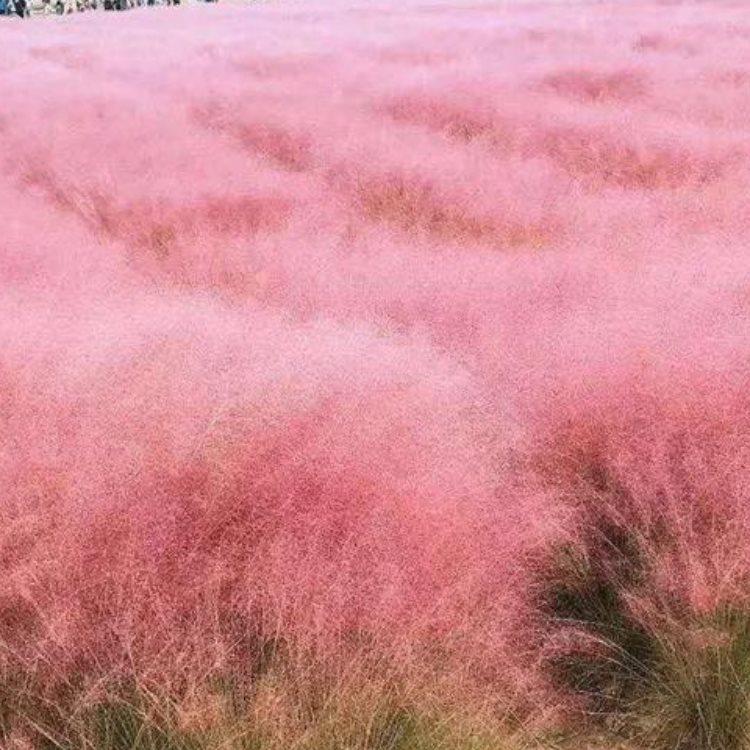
{"type": "Point", "coordinates": [4, 7]}
{"type": "Point", "coordinates": [21, 8]}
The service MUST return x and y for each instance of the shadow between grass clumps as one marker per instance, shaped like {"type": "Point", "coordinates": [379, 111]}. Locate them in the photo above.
{"type": "Point", "coordinates": [680, 681]}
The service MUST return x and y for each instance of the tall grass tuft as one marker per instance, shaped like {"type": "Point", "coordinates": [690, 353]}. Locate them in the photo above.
{"type": "Point", "coordinates": [699, 696]}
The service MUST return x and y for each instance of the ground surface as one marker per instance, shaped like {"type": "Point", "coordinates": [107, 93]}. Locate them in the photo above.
{"type": "Point", "coordinates": [389, 350]}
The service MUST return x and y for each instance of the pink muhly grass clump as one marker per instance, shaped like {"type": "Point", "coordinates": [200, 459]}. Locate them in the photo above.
{"type": "Point", "coordinates": [400, 333]}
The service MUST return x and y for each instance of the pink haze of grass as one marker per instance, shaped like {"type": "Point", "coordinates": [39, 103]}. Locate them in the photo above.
{"type": "Point", "coordinates": [311, 313]}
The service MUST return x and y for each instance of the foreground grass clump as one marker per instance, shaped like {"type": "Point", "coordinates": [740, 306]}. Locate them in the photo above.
{"type": "Point", "coordinates": [276, 716]}
{"type": "Point", "coordinates": [647, 664]}
{"type": "Point", "coordinates": [700, 689]}
{"type": "Point", "coordinates": [677, 684]}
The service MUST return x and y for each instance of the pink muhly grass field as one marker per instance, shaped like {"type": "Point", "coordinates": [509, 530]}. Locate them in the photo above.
{"type": "Point", "coordinates": [336, 328]}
